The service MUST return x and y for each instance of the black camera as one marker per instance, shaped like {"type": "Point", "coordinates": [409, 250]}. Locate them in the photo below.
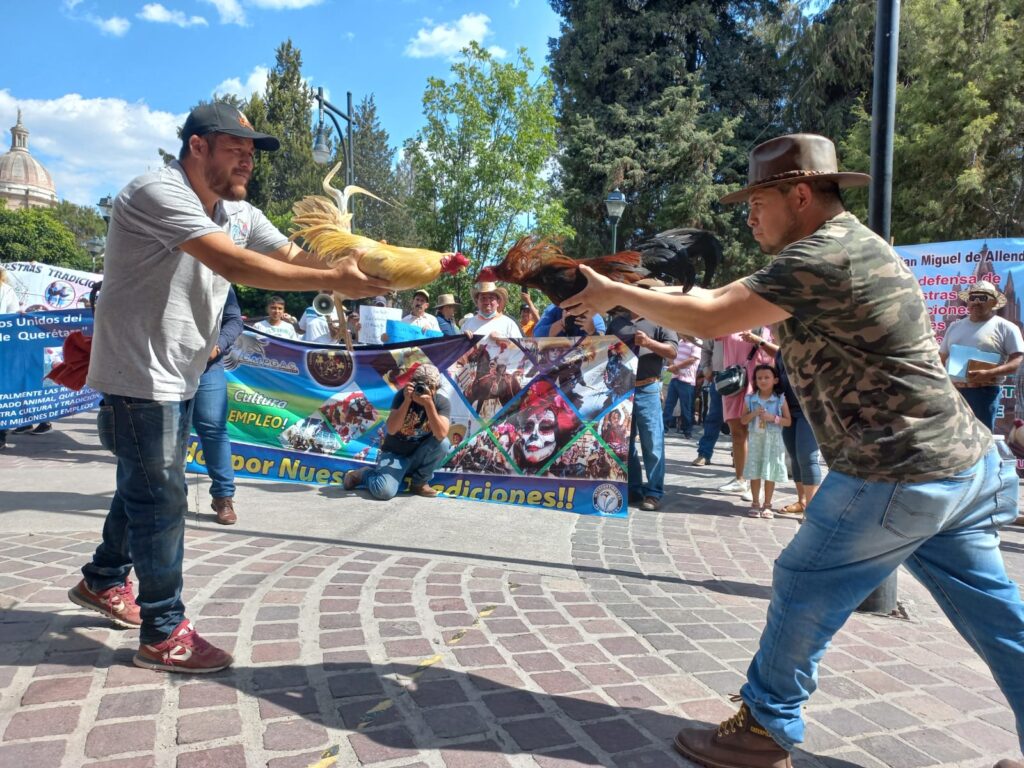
{"type": "Point", "coordinates": [421, 389]}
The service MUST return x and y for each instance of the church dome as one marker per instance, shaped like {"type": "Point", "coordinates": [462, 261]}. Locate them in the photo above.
{"type": "Point", "coordinates": [24, 182]}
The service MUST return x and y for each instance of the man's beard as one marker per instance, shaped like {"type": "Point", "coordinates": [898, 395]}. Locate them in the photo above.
{"type": "Point", "coordinates": [789, 236]}
{"type": "Point", "coordinates": [223, 186]}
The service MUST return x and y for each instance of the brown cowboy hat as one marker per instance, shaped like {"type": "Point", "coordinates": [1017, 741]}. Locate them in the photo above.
{"type": "Point", "coordinates": [796, 157]}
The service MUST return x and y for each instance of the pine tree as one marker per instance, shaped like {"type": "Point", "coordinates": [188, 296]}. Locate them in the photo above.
{"type": "Point", "coordinates": [293, 172]}
{"type": "Point", "coordinates": [635, 79]}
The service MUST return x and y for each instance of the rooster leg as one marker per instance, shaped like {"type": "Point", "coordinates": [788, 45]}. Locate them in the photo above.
{"type": "Point", "coordinates": [339, 307]}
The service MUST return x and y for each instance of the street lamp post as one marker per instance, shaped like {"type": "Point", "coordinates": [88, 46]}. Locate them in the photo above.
{"type": "Point", "coordinates": [321, 152]}
{"type": "Point", "coordinates": [615, 204]}
{"type": "Point", "coordinates": [96, 246]}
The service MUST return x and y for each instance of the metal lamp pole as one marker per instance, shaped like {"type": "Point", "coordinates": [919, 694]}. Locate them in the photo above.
{"type": "Point", "coordinates": [615, 204]}
{"type": "Point", "coordinates": [321, 152]}
{"type": "Point", "coordinates": [883, 119]}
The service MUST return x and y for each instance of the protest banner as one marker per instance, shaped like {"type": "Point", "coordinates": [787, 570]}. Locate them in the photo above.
{"type": "Point", "coordinates": [943, 270]}
{"type": "Point", "coordinates": [373, 322]}
{"type": "Point", "coordinates": [30, 345]}
{"type": "Point", "coordinates": [534, 422]}
{"type": "Point", "coordinates": [40, 287]}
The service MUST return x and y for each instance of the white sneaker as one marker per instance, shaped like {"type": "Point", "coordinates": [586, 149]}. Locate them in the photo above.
{"type": "Point", "coordinates": [746, 495]}
{"type": "Point", "coordinates": [734, 485]}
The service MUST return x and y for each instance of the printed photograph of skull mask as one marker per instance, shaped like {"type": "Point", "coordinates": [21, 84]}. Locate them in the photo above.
{"type": "Point", "coordinates": [544, 423]}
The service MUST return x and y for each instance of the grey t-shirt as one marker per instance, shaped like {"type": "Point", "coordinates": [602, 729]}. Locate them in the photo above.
{"type": "Point", "coordinates": [996, 335]}
{"type": "Point", "coordinates": [161, 308]}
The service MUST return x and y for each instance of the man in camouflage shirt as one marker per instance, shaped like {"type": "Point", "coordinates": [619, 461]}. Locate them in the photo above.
{"type": "Point", "coordinates": [915, 479]}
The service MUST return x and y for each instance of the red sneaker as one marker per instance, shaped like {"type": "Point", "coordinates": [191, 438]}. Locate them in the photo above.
{"type": "Point", "coordinates": [183, 651]}
{"type": "Point", "coordinates": [117, 603]}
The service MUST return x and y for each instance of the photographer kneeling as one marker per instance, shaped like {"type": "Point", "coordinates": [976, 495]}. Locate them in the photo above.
{"type": "Point", "coordinates": [416, 440]}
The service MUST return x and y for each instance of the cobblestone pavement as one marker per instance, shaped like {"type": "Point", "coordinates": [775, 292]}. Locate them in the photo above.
{"type": "Point", "coordinates": [397, 656]}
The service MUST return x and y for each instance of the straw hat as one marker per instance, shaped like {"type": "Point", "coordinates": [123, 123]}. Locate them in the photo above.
{"type": "Point", "coordinates": [983, 286]}
{"type": "Point", "coordinates": [446, 300]}
{"type": "Point", "coordinates": [488, 287]}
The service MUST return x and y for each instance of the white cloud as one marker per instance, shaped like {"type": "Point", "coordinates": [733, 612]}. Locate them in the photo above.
{"type": "Point", "coordinates": [497, 52]}
{"type": "Point", "coordinates": [115, 25]}
{"type": "Point", "coordinates": [157, 13]}
{"type": "Point", "coordinates": [256, 82]}
{"type": "Point", "coordinates": [448, 39]}
{"type": "Point", "coordinates": [230, 11]}
{"type": "Point", "coordinates": [93, 147]}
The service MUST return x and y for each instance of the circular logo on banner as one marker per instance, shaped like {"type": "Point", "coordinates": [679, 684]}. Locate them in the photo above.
{"type": "Point", "coordinates": [607, 499]}
{"type": "Point", "coordinates": [330, 368]}
{"type": "Point", "coordinates": [59, 294]}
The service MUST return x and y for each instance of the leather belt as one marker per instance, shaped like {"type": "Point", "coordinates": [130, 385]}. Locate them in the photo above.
{"type": "Point", "coordinates": [645, 382]}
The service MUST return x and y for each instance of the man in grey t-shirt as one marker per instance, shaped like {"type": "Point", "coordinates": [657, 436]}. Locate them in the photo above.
{"type": "Point", "coordinates": [178, 237]}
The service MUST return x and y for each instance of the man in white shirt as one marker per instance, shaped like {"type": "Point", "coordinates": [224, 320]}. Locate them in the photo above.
{"type": "Point", "coordinates": [315, 327]}
{"type": "Point", "coordinates": [419, 315]}
{"type": "Point", "coordinates": [983, 330]}
{"type": "Point", "coordinates": [490, 299]}
{"type": "Point", "coordinates": [278, 322]}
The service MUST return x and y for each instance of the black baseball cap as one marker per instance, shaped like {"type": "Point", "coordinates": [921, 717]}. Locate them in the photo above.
{"type": "Point", "coordinates": [219, 117]}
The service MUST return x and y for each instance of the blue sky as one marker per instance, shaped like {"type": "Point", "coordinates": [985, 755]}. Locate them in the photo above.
{"type": "Point", "coordinates": [103, 83]}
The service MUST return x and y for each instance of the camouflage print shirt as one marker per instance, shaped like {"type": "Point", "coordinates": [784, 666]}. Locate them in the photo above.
{"type": "Point", "coordinates": [863, 360]}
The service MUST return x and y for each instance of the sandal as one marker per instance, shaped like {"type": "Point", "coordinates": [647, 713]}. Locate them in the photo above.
{"type": "Point", "coordinates": [796, 509]}
{"type": "Point", "coordinates": [754, 511]}
{"type": "Point", "coordinates": [767, 512]}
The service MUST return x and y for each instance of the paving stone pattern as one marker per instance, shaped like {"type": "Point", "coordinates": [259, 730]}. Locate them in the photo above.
{"type": "Point", "coordinates": [397, 660]}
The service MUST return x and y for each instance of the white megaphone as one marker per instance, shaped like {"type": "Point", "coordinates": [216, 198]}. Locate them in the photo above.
{"type": "Point", "coordinates": [323, 304]}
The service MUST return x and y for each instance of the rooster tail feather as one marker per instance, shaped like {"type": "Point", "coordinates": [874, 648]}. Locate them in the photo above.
{"type": "Point", "coordinates": [623, 261]}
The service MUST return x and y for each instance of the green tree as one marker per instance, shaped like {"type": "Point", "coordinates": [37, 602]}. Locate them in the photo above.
{"type": "Point", "coordinates": [702, 75]}
{"type": "Point", "coordinates": [292, 173]}
{"type": "Point", "coordinates": [83, 220]}
{"type": "Point", "coordinates": [376, 171]}
{"type": "Point", "coordinates": [957, 163]}
{"type": "Point", "coordinates": [481, 164]}
{"type": "Point", "coordinates": [34, 234]}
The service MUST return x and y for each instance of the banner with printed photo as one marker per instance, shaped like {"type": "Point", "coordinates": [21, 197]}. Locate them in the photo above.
{"type": "Point", "coordinates": [943, 270]}
{"type": "Point", "coordinates": [534, 422]}
{"type": "Point", "coordinates": [42, 287]}
{"type": "Point", "coordinates": [30, 345]}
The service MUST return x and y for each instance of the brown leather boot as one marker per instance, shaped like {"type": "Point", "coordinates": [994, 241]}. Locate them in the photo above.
{"type": "Point", "coordinates": [739, 742]}
{"type": "Point", "coordinates": [224, 506]}
{"type": "Point", "coordinates": [424, 490]}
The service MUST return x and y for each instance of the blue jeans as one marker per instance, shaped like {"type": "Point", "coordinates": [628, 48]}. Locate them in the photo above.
{"type": "Point", "coordinates": [209, 417]}
{"type": "Point", "coordinates": [712, 424]}
{"type": "Point", "coordinates": [679, 392]}
{"type": "Point", "coordinates": [145, 526]}
{"type": "Point", "coordinates": [856, 533]}
{"type": "Point", "coordinates": [982, 401]}
{"type": "Point", "coordinates": [384, 480]}
{"type": "Point", "coordinates": [648, 424]}
{"type": "Point", "coordinates": [803, 451]}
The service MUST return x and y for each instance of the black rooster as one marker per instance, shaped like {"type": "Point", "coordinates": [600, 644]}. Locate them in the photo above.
{"type": "Point", "coordinates": [673, 256]}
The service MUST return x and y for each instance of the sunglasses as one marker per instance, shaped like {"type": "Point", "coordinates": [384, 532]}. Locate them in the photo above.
{"type": "Point", "coordinates": [979, 297]}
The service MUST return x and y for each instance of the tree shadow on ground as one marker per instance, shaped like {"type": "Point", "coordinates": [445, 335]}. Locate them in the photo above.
{"type": "Point", "coordinates": [392, 710]}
